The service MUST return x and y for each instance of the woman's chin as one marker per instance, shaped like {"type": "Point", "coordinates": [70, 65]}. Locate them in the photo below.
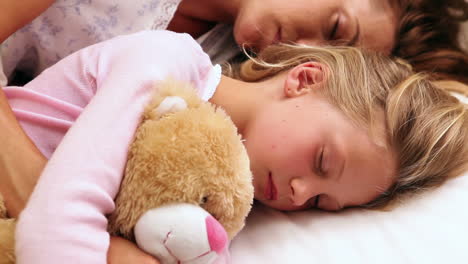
{"type": "Point", "coordinates": [249, 37]}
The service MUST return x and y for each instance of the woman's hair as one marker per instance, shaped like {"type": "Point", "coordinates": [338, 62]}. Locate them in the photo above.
{"type": "Point", "coordinates": [427, 128]}
{"type": "Point", "coordinates": [427, 37]}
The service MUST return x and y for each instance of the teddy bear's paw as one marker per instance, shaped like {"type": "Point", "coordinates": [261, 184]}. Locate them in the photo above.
{"type": "Point", "coordinates": [3, 210]}
{"type": "Point", "coordinates": [181, 234]}
{"type": "Point", "coordinates": [170, 104]}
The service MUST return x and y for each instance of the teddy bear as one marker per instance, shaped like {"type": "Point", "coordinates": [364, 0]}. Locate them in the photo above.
{"type": "Point", "coordinates": [187, 187]}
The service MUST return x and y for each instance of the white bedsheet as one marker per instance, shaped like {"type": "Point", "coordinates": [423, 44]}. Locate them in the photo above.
{"type": "Point", "coordinates": [430, 228]}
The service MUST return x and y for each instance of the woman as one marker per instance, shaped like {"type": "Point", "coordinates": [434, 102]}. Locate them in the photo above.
{"type": "Point", "coordinates": [421, 31]}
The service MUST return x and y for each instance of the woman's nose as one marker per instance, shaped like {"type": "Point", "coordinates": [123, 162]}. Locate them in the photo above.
{"type": "Point", "coordinates": [301, 191]}
{"type": "Point", "coordinates": [310, 41]}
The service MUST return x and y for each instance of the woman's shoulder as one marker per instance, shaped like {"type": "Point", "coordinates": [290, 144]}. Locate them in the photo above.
{"type": "Point", "coordinates": [68, 26]}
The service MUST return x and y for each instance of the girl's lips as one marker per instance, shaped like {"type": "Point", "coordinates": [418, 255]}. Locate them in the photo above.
{"type": "Point", "coordinates": [271, 193]}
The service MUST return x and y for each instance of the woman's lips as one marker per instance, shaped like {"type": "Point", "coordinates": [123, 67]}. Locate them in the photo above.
{"type": "Point", "coordinates": [271, 193]}
{"type": "Point", "coordinates": [277, 38]}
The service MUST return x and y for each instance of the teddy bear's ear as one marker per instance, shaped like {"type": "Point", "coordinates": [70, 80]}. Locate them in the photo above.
{"type": "Point", "coordinates": [170, 104]}
{"type": "Point", "coordinates": [171, 96]}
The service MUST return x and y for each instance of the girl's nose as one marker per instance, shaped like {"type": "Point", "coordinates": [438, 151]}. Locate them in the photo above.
{"type": "Point", "coordinates": [301, 191]}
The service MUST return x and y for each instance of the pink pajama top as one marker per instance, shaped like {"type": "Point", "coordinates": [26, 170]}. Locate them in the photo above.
{"type": "Point", "coordinates": [91, 103]}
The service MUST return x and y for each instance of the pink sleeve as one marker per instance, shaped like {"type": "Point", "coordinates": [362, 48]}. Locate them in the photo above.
{"type": "Point", "coordinates": [65, 219]}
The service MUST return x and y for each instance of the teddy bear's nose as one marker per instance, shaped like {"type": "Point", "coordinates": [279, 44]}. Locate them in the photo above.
{"type": "Point", "coordinates": [217, 236]}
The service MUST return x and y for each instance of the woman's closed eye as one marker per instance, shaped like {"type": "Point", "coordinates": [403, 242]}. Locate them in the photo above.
{"type": "Point", "coordinates": [333, 33]}
{"type": "Point", "coordinates": [344, 30]}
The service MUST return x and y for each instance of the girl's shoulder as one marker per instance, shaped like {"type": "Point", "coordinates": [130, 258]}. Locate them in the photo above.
{"type": "Point", "coordinates": [148, 42]}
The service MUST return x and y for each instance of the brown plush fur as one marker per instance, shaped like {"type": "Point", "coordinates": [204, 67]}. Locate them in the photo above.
{"type": "Point", "coordinates": [184, 157]}
{"type": "Point", "coordinates": [7, 236]}
{"type": "Point", "coordinates": [181, 157]}
{"type": "Point", "coordinates": [3, 210]}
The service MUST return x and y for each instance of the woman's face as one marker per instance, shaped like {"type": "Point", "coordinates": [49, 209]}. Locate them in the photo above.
{"type": "Point", "coordinates": [366, 23]}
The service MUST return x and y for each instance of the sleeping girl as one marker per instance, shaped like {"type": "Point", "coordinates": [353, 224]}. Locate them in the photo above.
{"type": "Point", "coordinates": [325, 128]}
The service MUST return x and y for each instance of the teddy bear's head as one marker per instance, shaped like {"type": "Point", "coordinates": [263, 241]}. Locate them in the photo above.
{"type": "Point", "coordinates": [190, 156]}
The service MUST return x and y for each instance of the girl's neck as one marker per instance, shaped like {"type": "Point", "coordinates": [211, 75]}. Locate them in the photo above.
{"type": "Point", "coordinates": [224, 11]}
{"type": "Point", "coordinates": [238, 99]}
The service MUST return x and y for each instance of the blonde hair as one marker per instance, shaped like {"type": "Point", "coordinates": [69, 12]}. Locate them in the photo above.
{"type": "Point", "coordinates": [426, 126]}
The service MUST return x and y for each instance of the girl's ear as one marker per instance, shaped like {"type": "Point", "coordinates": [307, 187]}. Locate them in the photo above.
{"type": "Point", "coordinates": [304, 78]}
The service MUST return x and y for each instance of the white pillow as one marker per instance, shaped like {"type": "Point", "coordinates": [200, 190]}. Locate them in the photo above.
{"type": "Point", "coordinates": [430, 228]}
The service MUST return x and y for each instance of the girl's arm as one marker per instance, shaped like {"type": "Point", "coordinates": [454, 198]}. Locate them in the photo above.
{"type": "Point", "coordinates": [122, 251]}
{"type": "Point", "coordinates": [65, 219]}
{"type": "Point", "coordinates": [20, 161]}
{"type": "Point", "coordinates": [21, 164]}
{"type": "Point", "coordinates": [15, 14]}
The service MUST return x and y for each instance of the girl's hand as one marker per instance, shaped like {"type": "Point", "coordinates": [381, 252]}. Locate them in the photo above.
{"type": "Point", "coordinates": [122, 251]}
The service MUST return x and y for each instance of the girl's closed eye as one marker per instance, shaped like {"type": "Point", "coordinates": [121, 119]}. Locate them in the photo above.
{"type": "Point", "coordinates": [319, 162]}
